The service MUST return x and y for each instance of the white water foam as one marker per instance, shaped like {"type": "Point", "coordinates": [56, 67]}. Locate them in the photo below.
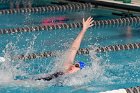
{"type": "Point", "coordinates": [92, 71]}
{"type": "Point", "coordinates": [10, 68]}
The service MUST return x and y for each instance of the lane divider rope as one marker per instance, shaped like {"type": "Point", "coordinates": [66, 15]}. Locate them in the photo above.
{"type": "Point", "coordinates": [127, 90]}
{"type": "Point", "coordinates": [133, 90]}
{"type": "Point", "coordinates": [81, 51]}
{"type": "Point", "coordinates": [53, 8]}
{"type": "Point", "coordinates": [120, 21]}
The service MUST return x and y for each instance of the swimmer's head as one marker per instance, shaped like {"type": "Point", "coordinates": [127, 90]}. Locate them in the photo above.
{"type": "Point", "coordinates": [80, 65]}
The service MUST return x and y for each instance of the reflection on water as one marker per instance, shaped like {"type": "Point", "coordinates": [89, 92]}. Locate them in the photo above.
{"type": "Point", "coordinates": [129, 32]}
{"type": "Point", "coordinates": [18, 3]}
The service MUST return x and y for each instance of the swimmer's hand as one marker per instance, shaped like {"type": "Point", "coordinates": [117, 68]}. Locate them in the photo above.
{"type": "Point", "coordinates": [88, 23]}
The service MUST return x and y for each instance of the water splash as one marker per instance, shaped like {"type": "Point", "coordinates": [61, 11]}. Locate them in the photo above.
{"type": "Point", "coordinates": [11, 69]}
{"type": "Point", "coordinates": [86, 75]}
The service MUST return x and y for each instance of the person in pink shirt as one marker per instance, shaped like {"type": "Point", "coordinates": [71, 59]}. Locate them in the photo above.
{"type": "Point", "coordinates": [55, 20]}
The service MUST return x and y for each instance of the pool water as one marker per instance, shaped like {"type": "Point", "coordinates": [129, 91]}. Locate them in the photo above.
{"type": "Point", "coordinates": [111, 70]}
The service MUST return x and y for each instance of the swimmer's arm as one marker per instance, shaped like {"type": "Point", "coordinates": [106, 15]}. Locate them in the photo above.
{"type": "Point", "coordinates": [76, 44]}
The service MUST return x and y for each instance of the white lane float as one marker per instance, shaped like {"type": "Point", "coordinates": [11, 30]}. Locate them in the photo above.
{"type": "Point", "coordinates": [116, 91]}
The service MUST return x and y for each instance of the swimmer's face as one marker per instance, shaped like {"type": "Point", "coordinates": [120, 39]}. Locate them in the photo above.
{"type": "Point", "coordinates": [75, 68]}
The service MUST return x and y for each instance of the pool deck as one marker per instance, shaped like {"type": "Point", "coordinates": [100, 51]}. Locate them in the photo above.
{"type": "Point", "coordinates": [134, 3]}
{"type": "Point", "coordinates": [133, 6]}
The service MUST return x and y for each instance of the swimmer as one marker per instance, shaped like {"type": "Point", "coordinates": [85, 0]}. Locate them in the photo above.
{"type": "Point", "coordinates": [51, 21]}
{"type": "Point", "coordinates": [55, 20]}
{"type": "Point", "coordinates": [69, 66]}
